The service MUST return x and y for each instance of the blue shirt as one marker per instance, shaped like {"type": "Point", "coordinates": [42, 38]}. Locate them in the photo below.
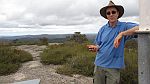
{"type": "Point", "coordinates": [108, 56]}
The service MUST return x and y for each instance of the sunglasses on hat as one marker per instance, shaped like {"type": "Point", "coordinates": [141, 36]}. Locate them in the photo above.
{"type": "Point", "coordinates": [111, 12]}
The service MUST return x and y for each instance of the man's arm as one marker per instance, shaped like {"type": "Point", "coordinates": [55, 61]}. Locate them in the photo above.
{"type": "Point", "coordinates": [124, 33]}
{"type": "Point", "coordinates": [130, 31]}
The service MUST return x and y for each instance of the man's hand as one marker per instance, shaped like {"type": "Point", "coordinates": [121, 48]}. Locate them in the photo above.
{"type": "Point", "coordinates": [118, 40]}
{"type": "Point", "coordinates": [124, 33]}
{"type": "Point", "coordinates": [92, 48]}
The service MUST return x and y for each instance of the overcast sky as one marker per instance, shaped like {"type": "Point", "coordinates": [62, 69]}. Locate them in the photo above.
{"type": "Point", "coordinates": [24, 17]}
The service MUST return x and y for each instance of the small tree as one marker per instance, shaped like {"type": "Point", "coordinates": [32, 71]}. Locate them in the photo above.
{"type": "Point", "coordinates": [43, 41]}
{"type": "Point", "coordinates": [78, 37]}
{"type": "Point", "coordinates": [15, 40]}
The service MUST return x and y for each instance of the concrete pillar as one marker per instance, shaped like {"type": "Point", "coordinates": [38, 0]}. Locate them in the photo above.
{"type": "Point", "coordinates": [144, 43]}
{"type": "Point", "coordinates": [144, 58]}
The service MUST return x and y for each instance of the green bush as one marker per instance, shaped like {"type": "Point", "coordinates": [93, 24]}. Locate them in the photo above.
{"type": "Point", "coordinates": [43, 41]}
{"type": "Point", "coordinates": [18, 42]}
{"type": "Point", "coordinates": [76, 59]}
{"type": "Point", "coordinates": [70, 54]}
{"type": "Point", "coordinates": [24, 56]}
{"type": "Point", "coordinates": [58, 54]}
{"type": "Point", "coordinates": [130, 74]}
{"type": "Point", "coordinates": [6, 69]}
{"type": "Point", "coordinates": [7, 55]}
{"type": "Point", "coordinates": [10, 55]}
{"type": "Point", "coordinates": [66, 70]}
{"type": "Point", "coordinates": [77, 65]}
{"type": "Point", "coordinates": [11, 59]}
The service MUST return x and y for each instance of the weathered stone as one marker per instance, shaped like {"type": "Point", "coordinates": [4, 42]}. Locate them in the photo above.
{"type": "Point", "coordinates": [35, 81]}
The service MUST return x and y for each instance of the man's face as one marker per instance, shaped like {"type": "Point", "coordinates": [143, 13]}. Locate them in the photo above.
{"type": "Point", "coordinates": [112, 14]}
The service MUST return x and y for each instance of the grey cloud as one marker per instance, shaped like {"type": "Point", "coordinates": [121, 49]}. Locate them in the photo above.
{"type": "Point", "coordinates": [64, 11]}
{"type": "Point", "coordinates": [61, 12]}
{"type": "Point", "coordinates": [8, 25]}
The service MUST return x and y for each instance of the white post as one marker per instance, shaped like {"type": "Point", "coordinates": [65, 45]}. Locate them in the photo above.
{"type": "Point", "coordinates": [144, 15]}
{"type": "Point", "coordinates": [144, 43]}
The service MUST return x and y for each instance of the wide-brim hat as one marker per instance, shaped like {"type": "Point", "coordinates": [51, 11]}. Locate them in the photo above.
{"type": "Point", "coordinates": [111, 4]}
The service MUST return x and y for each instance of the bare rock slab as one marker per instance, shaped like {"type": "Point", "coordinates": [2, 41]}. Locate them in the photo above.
{"type": "Point", "coordinates": [35, 81]}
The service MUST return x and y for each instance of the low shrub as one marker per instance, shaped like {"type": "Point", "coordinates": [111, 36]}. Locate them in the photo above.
{"type": "Point", "coordinates": [6, 69]}
{"type": "Point", "coordinates": [129, 75]}
{"type": "Point", "coordinates": [72, 55]}
{"type": "Point", "coordinates": [76, 59]}
{"type": "Point", "coordinates": [23, 55]}
{"type": "Point", "coordinates": [11, 59]}
{"type": "Point", "coordinates": [8, 55]}
{"type": "Point", "coordinates": [58, 54]}
{"type": "Point", "coordinates": [79, 65]}
{"type": "Point", "coordinates": [66, 69]}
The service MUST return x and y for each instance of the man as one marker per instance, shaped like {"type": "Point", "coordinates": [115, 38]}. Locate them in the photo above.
{"type": "Point", "coordinates": [109, 45]}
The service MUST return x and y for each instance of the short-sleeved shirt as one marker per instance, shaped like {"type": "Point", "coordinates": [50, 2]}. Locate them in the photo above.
{"type": "Point", "coordinates": [108, 56]}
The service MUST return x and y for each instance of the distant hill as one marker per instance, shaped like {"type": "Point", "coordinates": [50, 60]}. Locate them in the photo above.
{"type": "Point", "coordinates": [51, 37]}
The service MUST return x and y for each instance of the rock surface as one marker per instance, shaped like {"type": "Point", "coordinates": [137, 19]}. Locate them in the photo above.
{"type": "Point", "coordinates": [46, 73]}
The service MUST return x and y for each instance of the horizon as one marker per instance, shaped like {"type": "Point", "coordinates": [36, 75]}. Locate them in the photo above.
{"type": "Point", "coordinates": [44, 34]}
